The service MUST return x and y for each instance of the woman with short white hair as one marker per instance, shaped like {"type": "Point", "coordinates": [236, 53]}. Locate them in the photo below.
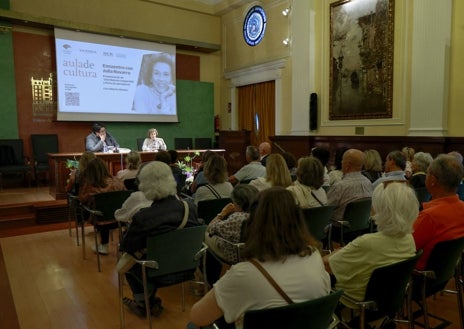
{"type": "Point", "coordinates": [395, 208]}
{"type": "Point", "coordinates": [165, 214]}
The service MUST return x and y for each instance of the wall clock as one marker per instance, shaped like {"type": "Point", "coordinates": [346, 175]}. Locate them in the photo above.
{"type": "Point", "coordinates": [254, 25]}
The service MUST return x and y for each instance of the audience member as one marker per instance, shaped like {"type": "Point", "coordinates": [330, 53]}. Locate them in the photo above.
{"type": "Point", "coordinates": [97, 179]}
{"type": "Point", "coordinates": [277, 239]}
{"type": "Point", "coordinates": [395, 206]}
{"type": "Point", "coordinates": [409, 154]}
{"type": "Point", "coordinates": [291, 164]}
{"type": "Point", "coordinates": [353, 185]}
{"type": "Point", "coordinates": [441, 218]}
{"type": "Point", "coordinates": [199, 179]}
{"type": "Point", "coordinates": [307, 189]}
{"type": "Point", "coordinates": [75, 176]}
{"type": "Point", "coordinates": [323, 155]}
{"type": "Point", "coordinates": [218, 186]}
{"type": "Point", "coordinates": [264, 151]}
{"type": "Point", "coordinates": [133, 162]}
{"type": "Point", "coordinates": [336, 173]}
{"type": "Point", "coordinates": [276, 174]}
{"type": "Point", "coordinates": [394, 168]}
{"type": "Point", "coordinates": [99, 139]}
{"type": "Point", "coordinates": [153, 142]}
{"type": "Point", "coordinates": [227, 225]}
{"type": "Point", "coordinates": [165, 214]}
{"type": "Point", "coordinates": [133, 203]}
{"type": "Point", "coordinates": [419, 166]}
{"type": "Point", "coordinates": [163, 156]}
{"type": "Point", "coordinates": [253, 169]}
{"type": "Point", "coordinates": [372, 165]}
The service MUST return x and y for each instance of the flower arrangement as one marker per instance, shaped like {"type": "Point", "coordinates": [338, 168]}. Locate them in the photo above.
{"type": "Point", "coordinates": [72, 164]}
{"type": "Point", "coordinates": [186, 165]}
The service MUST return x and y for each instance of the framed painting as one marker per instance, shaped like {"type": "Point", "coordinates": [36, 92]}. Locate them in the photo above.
{"type": "Point", "coordinates": [361, 59]}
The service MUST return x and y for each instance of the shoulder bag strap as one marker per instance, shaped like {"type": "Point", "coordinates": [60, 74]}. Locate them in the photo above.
{"type": "Point", "coordinates": [317, 199]}
{"type": "Point", "coordinates": [271, 281]}
{"type": "Point", "coordinates": [215, 193]}
{"type": "Point", "coordinates": [186, 214]}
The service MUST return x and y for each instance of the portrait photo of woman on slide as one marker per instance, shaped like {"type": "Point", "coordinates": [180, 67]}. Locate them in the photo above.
{"type": "Point", "coordinates": [156, 92]}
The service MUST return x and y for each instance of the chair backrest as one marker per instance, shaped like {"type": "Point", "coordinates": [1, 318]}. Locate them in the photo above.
{"type": "Point", "coordinates": [317, 219]}
{"type": "Point", "coordinates": [314, 314]}
{"type": "Point", "coordinates": [43, 144]}
{"type": "Point", "coordinates": [131, 184]}
{"type": "Point", "coordinates": [208, 209]}
{"type": "Point", "coordinates": [443, 260]}
{"type": "Point", "coordinates": [109, 202]}
{"type": "Point", "coordinates": [140, 143]}
{"type": "Point", "coordinates": [203, 143]}
{"type": "Point", "coordinates": [387, 293]}
{"type": "Point", "coordinates": [358, 213]}
{"type": "Point", "coordinates": [183, 143]}
{"type": "Point", "coordinates": [460, 191]}
{"type": "Point", "coordinates": [15, 145]}
{"type": "Point", "coordinates": [176, 251]}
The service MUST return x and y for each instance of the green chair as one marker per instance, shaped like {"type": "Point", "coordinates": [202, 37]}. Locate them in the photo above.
{"type": "Point", "coordinates": [172, 252]}
{"type": "Point", "coordinates": [385, 296]}
{"type": "Point", "coordinates": [208, 209]}
{"type": "Point", "coordinates": [444, 263]}
{"type": "Point", "coordinates": [315, 314]}
{"type": "Point", "coordinates": [318, 221]}
{"type": "Point", "coordinates": [356, 221]}
{"type": "Point", "coordinates": [102, 215]}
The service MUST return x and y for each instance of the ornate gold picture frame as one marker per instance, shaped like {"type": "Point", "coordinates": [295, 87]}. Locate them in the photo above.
{"type": "Point", "coordinates": [361, 65]}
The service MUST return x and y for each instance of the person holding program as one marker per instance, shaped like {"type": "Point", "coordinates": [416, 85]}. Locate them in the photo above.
{"type": "Point", "coordinates": [153, 142]}
{"type": "Point", "coordinates": [157, 92]}
{"type": "Point", "coordinates": [99, 139]}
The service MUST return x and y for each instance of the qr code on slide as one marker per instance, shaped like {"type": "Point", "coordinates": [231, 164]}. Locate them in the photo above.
{"type": "Point", "coordinates": [72, 99]}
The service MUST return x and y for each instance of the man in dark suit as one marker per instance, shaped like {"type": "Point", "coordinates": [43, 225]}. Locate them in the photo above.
{"type": "Point", "coordinates": [264, 151]}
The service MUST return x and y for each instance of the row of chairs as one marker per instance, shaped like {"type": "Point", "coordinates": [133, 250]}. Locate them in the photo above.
{"type": "Point", "coordinates": [14, 162]}
{"type": "Point", "coordinates": [185, 143]}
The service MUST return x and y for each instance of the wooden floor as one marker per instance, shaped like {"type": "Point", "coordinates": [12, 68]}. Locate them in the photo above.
{"type": "Point", "coordinates": [46, 283]}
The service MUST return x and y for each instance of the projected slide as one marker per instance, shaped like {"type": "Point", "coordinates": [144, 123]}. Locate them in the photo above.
{"type": "Point", "coordinates": [103, 78]}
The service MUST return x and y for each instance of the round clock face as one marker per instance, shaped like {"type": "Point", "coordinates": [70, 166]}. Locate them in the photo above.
{"type": "Point", "coordinates": [254, 25]}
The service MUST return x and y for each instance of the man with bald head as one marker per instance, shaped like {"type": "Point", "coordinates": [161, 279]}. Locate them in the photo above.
{"type": "Point", "coordinates": [352, 186]}
{"type": "Point", "coordinates": [264, 151]}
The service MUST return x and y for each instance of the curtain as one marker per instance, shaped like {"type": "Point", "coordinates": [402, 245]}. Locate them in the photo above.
{"type": "Point", "coordinates": [256, 110]}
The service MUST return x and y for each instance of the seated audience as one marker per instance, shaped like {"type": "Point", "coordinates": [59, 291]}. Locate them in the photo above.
{"type": "Point", "coordinates": [372, 165]}
{"type": "Point", "coordinates": [75, 176]}
{"type": "Point", "coordinates": [419, 166]}
{"type": "Point", "coordinates": [228, 225]}
{"type": "Point", "coordinates": [165, 214]}
{"type": "Point", "coordinates": [133, 203]}
{"type": "Point", "coordinates": [277, 239]}
{"type": "Point", "coordinates": [291, 164]}
{"type": "Point", "coordinates": [264, 151]}
{"type": "Point", "coordinates": [323, 155]}
{"type": "Point", "coordinates": [307, 189]}
{"type": "Point", "coordinates": [163, 156]}
{"type": "Point", "coordinates": [133, 162]}
{"type": "Point", "coordinates": [253, 169]}
{"type": "Point", "coordinates": [276, 174]}
{"type": "Point", "coordinates": [179, 176]}
{"type": "Point", "coordinates": [153, 142]}
{"type": "Point", "coordinates": [199, 178]}
{"type": "Point", "coordinates": [409, 154]}
{"type": "Point", "coordinates": [336, 174]}
{"type": "Point", "coordinates": [97, 179]}
{"type": "Point", "coordinates": [352, 186]}
{"type": "Point", "coordinates": [441, 218]}
{"type": "Point", "coordinates": [218, 186]}
{"type": "Point", "coordinates": [394, 168]}
{"type": "Point", "coordinates": [396, 207]}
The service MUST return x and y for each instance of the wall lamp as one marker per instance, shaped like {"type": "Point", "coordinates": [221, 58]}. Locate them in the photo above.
{"type": "Point", "coordinates": [286, 11]}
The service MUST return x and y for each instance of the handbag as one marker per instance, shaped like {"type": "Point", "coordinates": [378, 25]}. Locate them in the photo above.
{"type": "Point", "coordinates": [126, 261]}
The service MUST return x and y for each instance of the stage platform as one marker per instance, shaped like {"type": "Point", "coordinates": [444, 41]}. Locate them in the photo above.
{"type": "Point", "coordinates": [28, 207]}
